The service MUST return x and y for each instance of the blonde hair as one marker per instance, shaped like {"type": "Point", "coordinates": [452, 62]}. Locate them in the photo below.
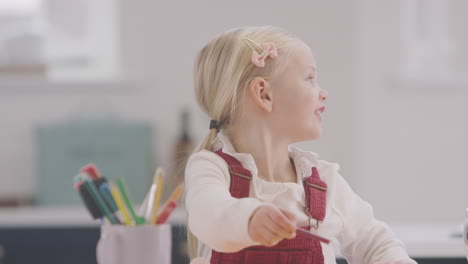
{"type": "Point", "coordinates": [223, 70]}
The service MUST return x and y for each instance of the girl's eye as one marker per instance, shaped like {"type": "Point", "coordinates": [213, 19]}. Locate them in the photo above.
{"type": "Point", "coordinates": [310, 77]}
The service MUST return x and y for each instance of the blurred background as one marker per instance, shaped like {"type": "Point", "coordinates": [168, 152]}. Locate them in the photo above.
{"type": "Point", "coordinates": [110, 82]}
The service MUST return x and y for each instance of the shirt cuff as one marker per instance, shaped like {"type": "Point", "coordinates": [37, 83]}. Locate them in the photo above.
{"type": "Point", "coordinates": [245, 218]}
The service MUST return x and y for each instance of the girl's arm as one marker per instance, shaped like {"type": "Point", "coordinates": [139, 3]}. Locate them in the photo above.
{"type": "Point", "coordinates": [363, 238]}
{"type": "Point", "coordinates": [214, 216]}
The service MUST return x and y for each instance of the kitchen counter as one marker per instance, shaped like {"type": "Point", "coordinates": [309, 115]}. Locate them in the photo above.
{"type": "Point", "coordinates": [423, 240]}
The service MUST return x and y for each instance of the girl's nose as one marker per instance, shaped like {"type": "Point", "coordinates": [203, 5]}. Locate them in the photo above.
{"type": "Point", "coordinates": [323, 95]}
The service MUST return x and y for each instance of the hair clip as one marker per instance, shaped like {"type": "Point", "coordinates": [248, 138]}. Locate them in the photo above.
{"type": "Point", "coordinates": [268, 50]}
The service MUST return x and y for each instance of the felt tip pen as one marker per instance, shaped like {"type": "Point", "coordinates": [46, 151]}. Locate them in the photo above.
{"type": "Point", "coordinates": [310, 235]}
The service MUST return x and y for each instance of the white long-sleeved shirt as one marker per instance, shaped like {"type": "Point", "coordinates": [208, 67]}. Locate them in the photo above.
{"type": "Point", "coordinates": [220, 221]}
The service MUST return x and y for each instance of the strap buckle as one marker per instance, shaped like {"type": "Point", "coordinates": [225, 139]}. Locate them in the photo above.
{"type": "Point", "coordinates": [231, 171]}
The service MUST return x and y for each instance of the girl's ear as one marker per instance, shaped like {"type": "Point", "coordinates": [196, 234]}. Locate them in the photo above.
{"type": "Point", "coordinates": [261, 93]}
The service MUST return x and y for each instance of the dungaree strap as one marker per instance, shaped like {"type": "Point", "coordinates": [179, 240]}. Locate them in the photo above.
{"type": "Point", "coordinates": [240, 177]}
{"type": "Point", "coordinates": [316, 197]}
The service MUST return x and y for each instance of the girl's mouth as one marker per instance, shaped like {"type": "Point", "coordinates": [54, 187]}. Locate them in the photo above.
{"type": "Point", "coordinates": [319, 112]}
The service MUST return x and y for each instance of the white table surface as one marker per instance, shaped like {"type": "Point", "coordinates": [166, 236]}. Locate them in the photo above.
{"type": "Point", "coordinates": [432, 240]}
{"type": "Point", "coordinates": [61, 216]}
{"type": "Point", "coordinates": [422, 240]}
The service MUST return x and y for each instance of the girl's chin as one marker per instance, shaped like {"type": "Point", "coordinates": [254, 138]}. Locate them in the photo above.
{"type": "Point", "coordinates": [313, 135]}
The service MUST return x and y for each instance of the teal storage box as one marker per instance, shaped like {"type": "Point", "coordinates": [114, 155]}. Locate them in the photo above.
{"type": "Point", "coordinates": [118, 148]}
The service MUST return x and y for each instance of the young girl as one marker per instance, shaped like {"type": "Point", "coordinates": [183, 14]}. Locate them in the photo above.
{"type": "Point", "coordinates": [248, 189]}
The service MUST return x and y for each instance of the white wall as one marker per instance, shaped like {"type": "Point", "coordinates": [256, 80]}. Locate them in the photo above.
{"type": "Point", "coordinates": [410, 138]}
{"type": "Point", "coordinates": [159, 42]}
{"type": "Point", "coordinates": [391, 142]}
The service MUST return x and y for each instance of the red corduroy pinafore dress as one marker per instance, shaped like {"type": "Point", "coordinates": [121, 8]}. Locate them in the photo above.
{"type": "Point", "coordinates": [288, 251]}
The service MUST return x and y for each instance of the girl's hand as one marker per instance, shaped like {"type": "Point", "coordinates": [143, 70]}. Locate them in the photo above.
{"type": "Point", "coordinates": [269, 225]}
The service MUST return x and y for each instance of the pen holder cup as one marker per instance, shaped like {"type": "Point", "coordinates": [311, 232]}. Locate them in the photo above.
{"type": "Point", "coordinates": [142, 244]}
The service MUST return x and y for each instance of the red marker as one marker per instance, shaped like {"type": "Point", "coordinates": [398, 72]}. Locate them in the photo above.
{"type": "Point", "coordinates": [308, 234]}
{"type": "Point", "coordinates": [92, 171]}
{"type": "Point", "coordinates": [166, 212]}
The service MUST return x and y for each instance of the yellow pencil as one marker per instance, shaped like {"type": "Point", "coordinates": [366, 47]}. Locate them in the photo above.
{"type": "Point", "coordinates": [159, 181]}
{"type": "Point", "coordinates": [120, 204]}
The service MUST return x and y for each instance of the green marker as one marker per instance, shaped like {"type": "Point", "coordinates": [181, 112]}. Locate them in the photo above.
{"type": "Point", "coordinates": [100, 203]}
{"type": "Point", "coordinates": [138, 220]}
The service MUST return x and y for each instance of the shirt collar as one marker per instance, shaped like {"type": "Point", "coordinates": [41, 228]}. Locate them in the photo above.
{"type": "Point", "coordinates": [303, 160]}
